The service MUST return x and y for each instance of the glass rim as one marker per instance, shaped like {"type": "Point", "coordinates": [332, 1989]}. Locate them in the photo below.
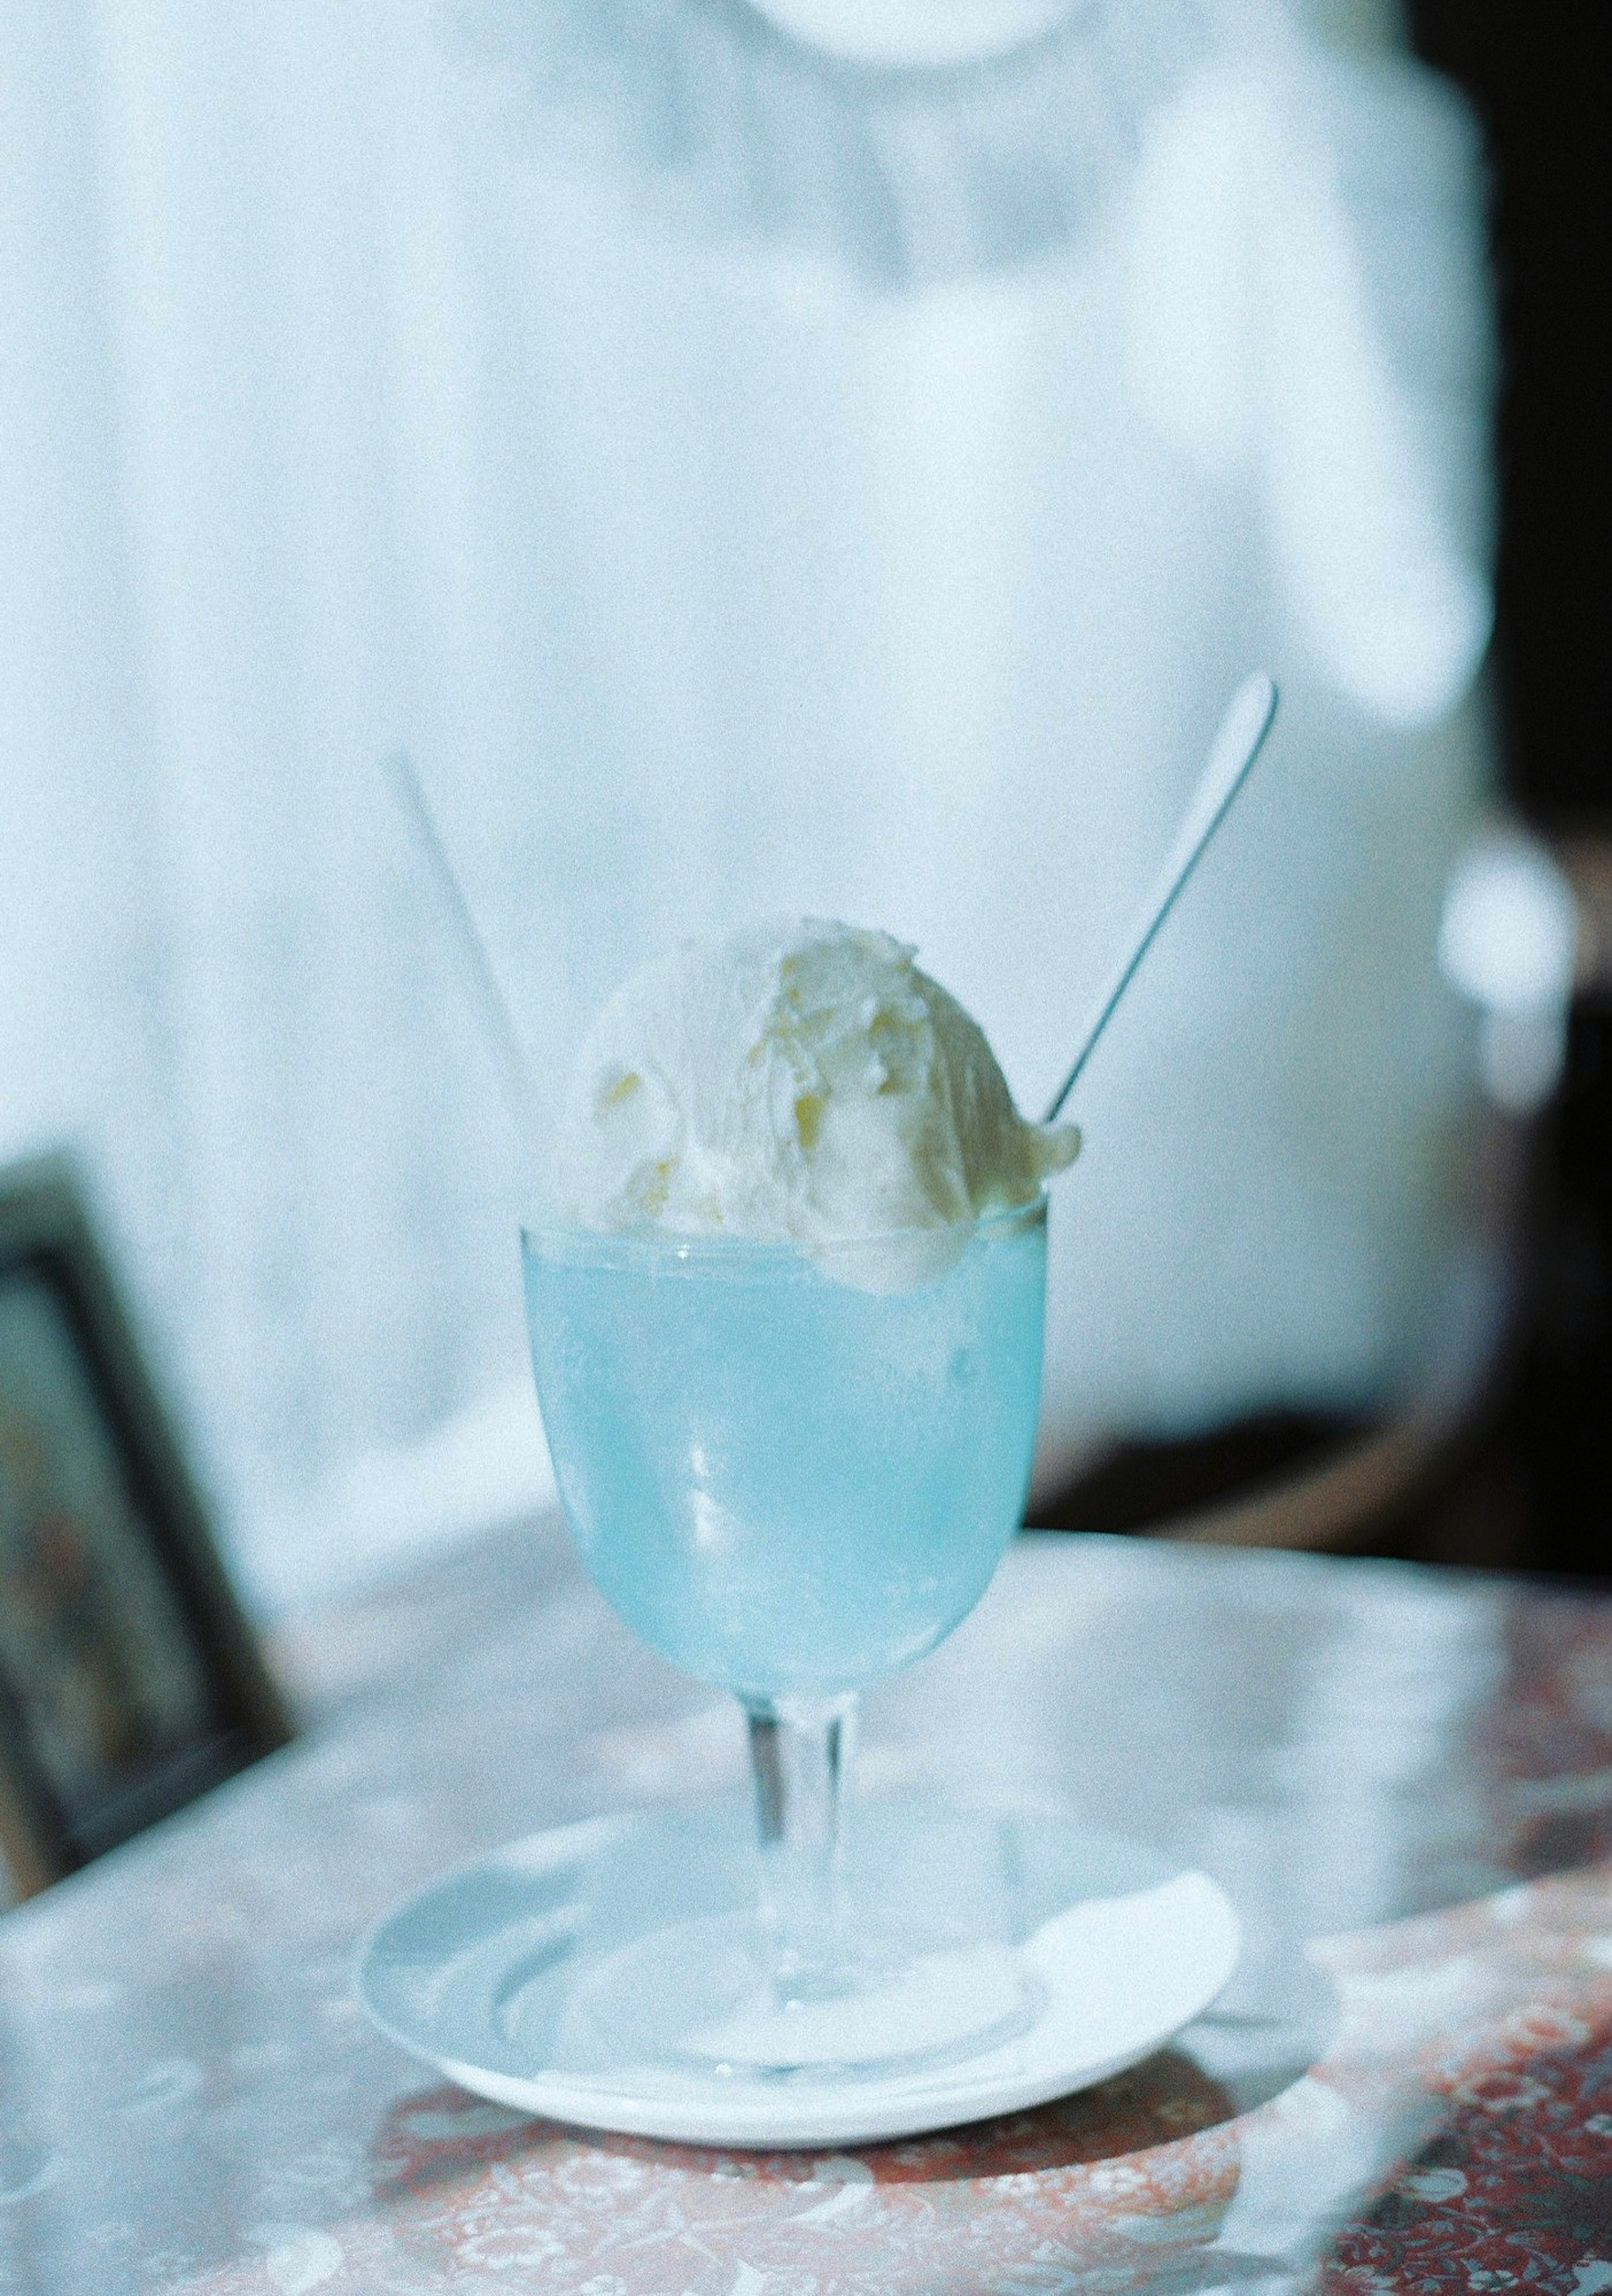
{"type": "Point", "coordinates": [691, 1244]}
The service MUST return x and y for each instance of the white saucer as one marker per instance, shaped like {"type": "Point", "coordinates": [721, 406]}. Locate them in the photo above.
{"type": "Point", "coordinates": [1115, 1947]}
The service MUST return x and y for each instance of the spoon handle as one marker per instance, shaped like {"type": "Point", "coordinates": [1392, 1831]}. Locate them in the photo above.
{"type": "Point", "coordinates": [455, 913]}
{"type": "Point", "coordinates": [1239, 741]}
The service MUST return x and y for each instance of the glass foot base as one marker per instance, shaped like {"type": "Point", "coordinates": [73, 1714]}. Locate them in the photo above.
{"type": "Point", "coordinates": [700, 1995]}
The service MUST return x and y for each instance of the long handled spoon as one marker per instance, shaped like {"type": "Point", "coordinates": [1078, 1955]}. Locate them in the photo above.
{"type": "Point", "coordinates": [1240, 739]}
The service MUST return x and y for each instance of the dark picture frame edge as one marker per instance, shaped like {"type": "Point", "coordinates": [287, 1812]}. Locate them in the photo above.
{"type": "Point", "coordinates": [49, 1241]}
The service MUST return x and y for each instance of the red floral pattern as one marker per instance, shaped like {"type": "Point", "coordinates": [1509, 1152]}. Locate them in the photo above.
{"type": "Point", "coordinates": [1490, 2025]}
{"type": "Point", "coordinates": [1119, 2179]}
{"type": "Point", "coordinates": [1514, 2192]}
{"type": "Point", "coordinates": [202, 2113]}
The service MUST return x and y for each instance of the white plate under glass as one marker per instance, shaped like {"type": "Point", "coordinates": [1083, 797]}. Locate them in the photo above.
{"type": "Point", "coordinates": [1059, 1956]}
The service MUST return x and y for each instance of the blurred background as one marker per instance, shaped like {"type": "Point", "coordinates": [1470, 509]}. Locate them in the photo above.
{"type": "Point", "coordinates": [824, 458]}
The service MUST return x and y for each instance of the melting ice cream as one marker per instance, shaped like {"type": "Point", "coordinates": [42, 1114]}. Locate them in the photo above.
{"type": "Point", "coordinates": [801, 1083]}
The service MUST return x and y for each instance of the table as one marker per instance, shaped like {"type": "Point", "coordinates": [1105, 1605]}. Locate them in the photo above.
{"type": "Point", "coordinates": [1381, 1762]}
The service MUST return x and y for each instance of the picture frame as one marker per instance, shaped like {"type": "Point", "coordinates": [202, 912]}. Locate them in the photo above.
{"type": "Point", "coordinates": [130, 1680]}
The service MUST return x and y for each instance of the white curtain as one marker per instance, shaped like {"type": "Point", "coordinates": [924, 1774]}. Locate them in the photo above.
{"type": "Point", "coordinates": [744, 482]}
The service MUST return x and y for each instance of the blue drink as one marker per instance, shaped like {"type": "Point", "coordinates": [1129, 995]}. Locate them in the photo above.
{"type": "Point", "coordinates": [787, 1485]}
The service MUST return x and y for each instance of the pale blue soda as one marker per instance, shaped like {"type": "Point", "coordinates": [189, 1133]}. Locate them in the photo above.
{"type": "Point", "coordinates": [784, 1483]}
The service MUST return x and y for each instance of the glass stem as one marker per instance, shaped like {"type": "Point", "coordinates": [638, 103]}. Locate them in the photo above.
{"type": "Point", "coordinates": [800, 1750]}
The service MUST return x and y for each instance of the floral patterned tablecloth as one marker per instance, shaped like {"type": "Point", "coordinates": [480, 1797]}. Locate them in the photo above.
{"type": "Point", "coordinates": [1457, 2135]}
{"type": "Point", "coordinates": [193, 2103]}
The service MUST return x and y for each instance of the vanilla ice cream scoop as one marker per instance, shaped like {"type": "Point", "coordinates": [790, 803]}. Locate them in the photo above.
{"type": "Point", "coordinates": [801, 1083]}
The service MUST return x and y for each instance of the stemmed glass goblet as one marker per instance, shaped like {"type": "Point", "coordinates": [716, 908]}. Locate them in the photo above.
{"type": "Point", "coordinates": [792, 1475]}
